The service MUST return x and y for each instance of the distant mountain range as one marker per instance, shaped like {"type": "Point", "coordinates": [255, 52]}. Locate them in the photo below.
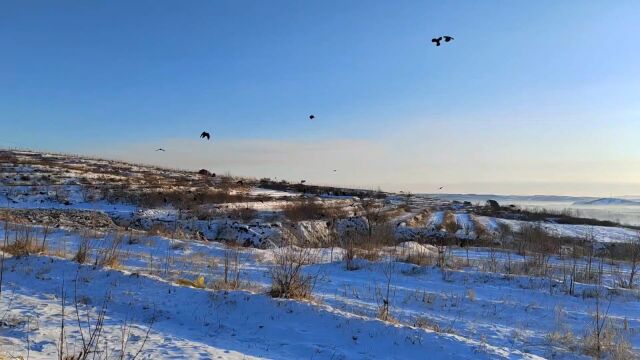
{"type": "Point", "coordinates": [626, 200]}
{"type": "Point", "coordinates": [607, 201]}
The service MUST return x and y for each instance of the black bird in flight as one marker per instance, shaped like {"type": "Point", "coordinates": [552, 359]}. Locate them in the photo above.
{"type": "Point", "coordinates": [447, 38]}
{"type": "Point", "coordinates": [437, 40]}
{"type": "Point", "coordinates": [303, 181]}
{"type": "Point", "coordinates": [440, 188]}
{"type": "Point", "coordinates": [205, 135]}
{"type": "Point", "coordinates": [160, 149]}
{"type": "Point", "coordinates": [311, 117]}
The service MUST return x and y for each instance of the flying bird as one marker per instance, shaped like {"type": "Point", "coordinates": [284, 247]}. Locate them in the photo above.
{"type": "Point", "coordinates": [440, 188]}
{"type": "Point", "coordinates": [303, 181]}
{"type": "Point", "coordinates": [437, 40]}
{"type": "Point", "coordinates": [334, 170]}
{"type": "Point", "coordinates": [205, 135]}
{"type": "Point", "coordinates": [311, 117]}
{"type": "Point", "coordinates": [160, 149]}
{"type": "Point", "coordinates": [447, 38]}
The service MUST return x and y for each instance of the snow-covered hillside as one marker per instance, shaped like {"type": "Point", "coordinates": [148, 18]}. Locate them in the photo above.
{"type": "Point", "coordinates": [175, 264]}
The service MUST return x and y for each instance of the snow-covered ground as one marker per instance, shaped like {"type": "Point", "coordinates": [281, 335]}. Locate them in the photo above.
{"type": "Point", "coordinates": [201, 323]}
{"type": "Point", "coordinates": [474, 309]}
{"type": "Point", "coordinates": [604, 234]}
{"type": "Point", "coordinates": [479, 315]}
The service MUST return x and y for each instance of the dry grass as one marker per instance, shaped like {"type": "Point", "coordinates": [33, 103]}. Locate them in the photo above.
{"type": "Point", "coordinates": [471, 295]}
{"type": "Point", "coordinates": [198, 283]}
{"type": "Point", "coordinates": [82, 254]}
{"type": "Point", "coordinates": [450, 224]}
{"type": "Point", "coordinates": [303, 210]}
{"type": "Point", "coordinates": [564, 338]}
{"type": "Point", "coordinates": [111, 255]}
{"type": "Point", "coordinates": [24, 241]}
{"type": "Point", "coordinates": [420, 258]}
{"type": "Point", "coordinates": [610, 343]}
{"type": "Point", "coordinates": [244, 214]}
{"type": "Point", "coordinates": [424, 322]}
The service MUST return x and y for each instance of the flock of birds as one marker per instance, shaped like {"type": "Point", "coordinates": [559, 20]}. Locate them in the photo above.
{"type": "Point", "coordinates": [436, 41]}
{"type": "Point", "coordinates": [439, 39]}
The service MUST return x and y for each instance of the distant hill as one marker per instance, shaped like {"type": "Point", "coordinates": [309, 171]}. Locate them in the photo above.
{"type": "Point", "coordinates": [607, 201]}
{"type": "Point", "coordinates": [508, 199]}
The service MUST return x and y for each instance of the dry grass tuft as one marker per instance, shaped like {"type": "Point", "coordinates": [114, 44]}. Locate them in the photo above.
{"type": "Point", "coordinates": [199, 283]}
{"type": "Point", "coordinates": [24, 241]}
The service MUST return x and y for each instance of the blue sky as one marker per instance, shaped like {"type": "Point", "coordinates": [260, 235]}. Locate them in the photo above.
{"type": "Point", "coordinates": [530, 97]}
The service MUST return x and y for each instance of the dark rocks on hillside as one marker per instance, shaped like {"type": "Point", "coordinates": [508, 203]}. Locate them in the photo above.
{"type": "Point", "coordinates": [493, 205]}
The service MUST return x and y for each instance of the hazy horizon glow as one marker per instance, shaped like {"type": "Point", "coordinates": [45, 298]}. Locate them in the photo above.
{"type": "Point", "coordinates": [530, 98]}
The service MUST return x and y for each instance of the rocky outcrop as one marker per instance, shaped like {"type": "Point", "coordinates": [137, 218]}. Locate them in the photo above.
{"type": "Point", "coordinates": [72, 219]}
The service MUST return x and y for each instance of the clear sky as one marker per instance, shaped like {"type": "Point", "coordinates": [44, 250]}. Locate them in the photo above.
{"type": "Point", "coordinates": [531, 97]}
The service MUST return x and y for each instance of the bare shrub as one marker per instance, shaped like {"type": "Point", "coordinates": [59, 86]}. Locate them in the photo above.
{"type": "Point", "coordinates": [383, 292]}
{"type": "Point", "coordinates": [533, 240]}
{"type": "Point", "coordinates": [634, 260]}
{"type": "Point", "coordinates": [450, 225]}
{"type": "Point", "coordinates": [2, 254]}
{"type": "Point", "coordinates": [607, 342]}
{"type": "Point", "coordinates": [93, 342]}
{"type": "Point", "coordinates": [366, 246]}
{"type": "Point", "coordinates": [481, 231]}
{"type": "Point", "coordinates": [603, 339]}
{"type": "Point", "coordinates": [231, 270]}
{"type": "Point", "coordinates": [287, 278]}
{"type": "Point", "coordinates": [374, 216]}
{"type": "Point", "coordinates": [306, 209]}
{"type": "Point", "coordinates": [350, 240]}
{"type": "Point", "coordinates": [46, 229]}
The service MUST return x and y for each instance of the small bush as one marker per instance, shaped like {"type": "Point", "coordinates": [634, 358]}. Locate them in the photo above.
{"type": "Point", "coordinates": [287, 278]}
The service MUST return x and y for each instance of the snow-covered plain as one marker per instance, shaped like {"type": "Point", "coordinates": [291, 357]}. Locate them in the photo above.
{"type": "Point", "coordinates": [492, 316]}
{"type": "Point", "coordinates": [203, 323]}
